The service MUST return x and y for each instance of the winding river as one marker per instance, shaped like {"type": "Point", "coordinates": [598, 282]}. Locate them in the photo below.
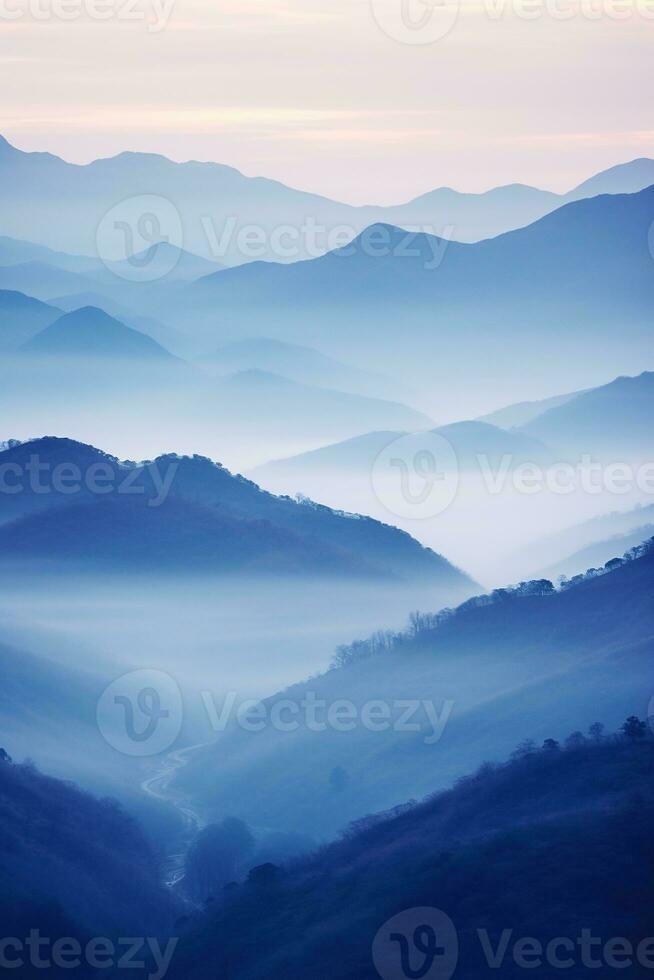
{"type": "Point", "coordinates": [157, 785]}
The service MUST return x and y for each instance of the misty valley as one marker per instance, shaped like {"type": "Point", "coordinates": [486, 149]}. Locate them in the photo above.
{"type": "Point", "coordinates": [326, 578]}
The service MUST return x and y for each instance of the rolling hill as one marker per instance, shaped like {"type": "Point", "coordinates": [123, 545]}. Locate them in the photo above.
{"type": "Point", "coordinates": [530, 662]}
{"type": "Point", "coordinates": [17, 252]}
{"type": "Point", "coordinates": [549, 844]}
{"type": "Point", "coordinates": [354, 459]}
{"type": "Point", "coordinates": [173, 340]}
{"type": "Point", "coordinates": [205, 521]}
{"type": "Point", "coordinates": [563, 256]}
{"type": "Point", "coordinates": [43, 273]}
{"type": "Point", "coordinates": [71, 860]}
{"type": "Point", "coordinates": [21, 318]}
{"type": "Point", "coordinates": [162, 260]}
{"type": "Point", "coordinates": [513, 416]}
{"type": "Point", "coordinates": [297, 363]}
{"type": "Point", "coordinates": [575, 285]}
{"type": "Point", "coordinates": [131, 384]}
{"type": "Point", "coordinates": [92, 333]}
{"type": "Point", "coordinates": [615, 418]}
{"type": "Point", "coordinates": [43, 281]}
{"type": "Point", "coordinates": [255, 394]}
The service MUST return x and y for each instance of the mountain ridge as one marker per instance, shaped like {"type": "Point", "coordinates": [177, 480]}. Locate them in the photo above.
{"type": "Point", "coordinates": [275, 203]}
{"type": "Point", "coordinates": [207, 519]}
{"type": "Point", "coordinates": [90, 332]}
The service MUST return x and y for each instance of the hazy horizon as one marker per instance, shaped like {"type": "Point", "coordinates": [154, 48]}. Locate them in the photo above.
{"type": "Point", "coordinates": [340, 99]}
{"type": "Point", "coordinates": [70, 153]}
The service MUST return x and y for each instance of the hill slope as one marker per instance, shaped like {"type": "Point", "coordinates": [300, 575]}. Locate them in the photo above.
{"type": "Point", "coordinates": [597, 554]}
{"type": "Point", "coordinates": [615, 418]}
{"type": "Point", "coordinates": [92, 333]}
{"type": "Point", "coordinates": [545, 846]}
{"type": "Point", "coordinates": [524, 412]}
{"type": "Point", "coordinates": [531, 662]}
{"type": "Point", "coordinates": [550, 550]}
{"type": "Point", "coordinates": [355, 458]}
{"type": "Point", "coordinates": [22, 317]}
{"type": "Point", "coordinates": [192, 513]}
{"type": "Point", "coordinates": [577, 282]}
{"type": "Point", "coordinates": [66, 855]}
{"type": "Point", "coordinates": [302, 364]}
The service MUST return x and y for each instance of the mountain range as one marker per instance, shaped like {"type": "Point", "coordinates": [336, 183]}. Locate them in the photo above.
{"type": "Point", "coordinates": [613, 418]}
{"type": "Point", "coordinates": [510, 487]}
{"type": "Point", "coordinates": [562, 285]}
{"type": "Point", "coordinates": [67, 202]}
{"type": "Point", "coordinates": [576, 285]}
{"type": "Point", "coordinates": [131, 381]}
{"type": "Point", "coordinates": [42, 272]}
{"type": "Point", "coordinates": [304, 365]}
{"type": "Point", "coordinates": [355, 458]}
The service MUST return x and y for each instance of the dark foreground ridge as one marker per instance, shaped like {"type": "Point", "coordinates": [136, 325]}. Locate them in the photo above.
{"type": "Point", "coordinates": [557, 842]}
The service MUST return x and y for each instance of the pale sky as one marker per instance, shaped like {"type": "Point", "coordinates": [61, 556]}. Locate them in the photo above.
{"type": "Point", "coordinates": [328, 96]}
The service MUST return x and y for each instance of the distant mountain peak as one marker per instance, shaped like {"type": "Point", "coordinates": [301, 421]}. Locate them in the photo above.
{"type": "Point", "coordinates": [381, 239]}
{"type": "Point", "coordinates": [90, 332]}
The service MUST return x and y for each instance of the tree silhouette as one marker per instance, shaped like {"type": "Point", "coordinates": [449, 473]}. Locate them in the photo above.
{"type": "Point", "coordinates": [596, 731]}
{"type": "Point", "coordinates": [217, 857]}
{"type": "Point", "coordinates": [524, 749]}
{"type": "Point", "coordinates": [634, 728]}
{"type": "Point", "coordinates": [575, 740]}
